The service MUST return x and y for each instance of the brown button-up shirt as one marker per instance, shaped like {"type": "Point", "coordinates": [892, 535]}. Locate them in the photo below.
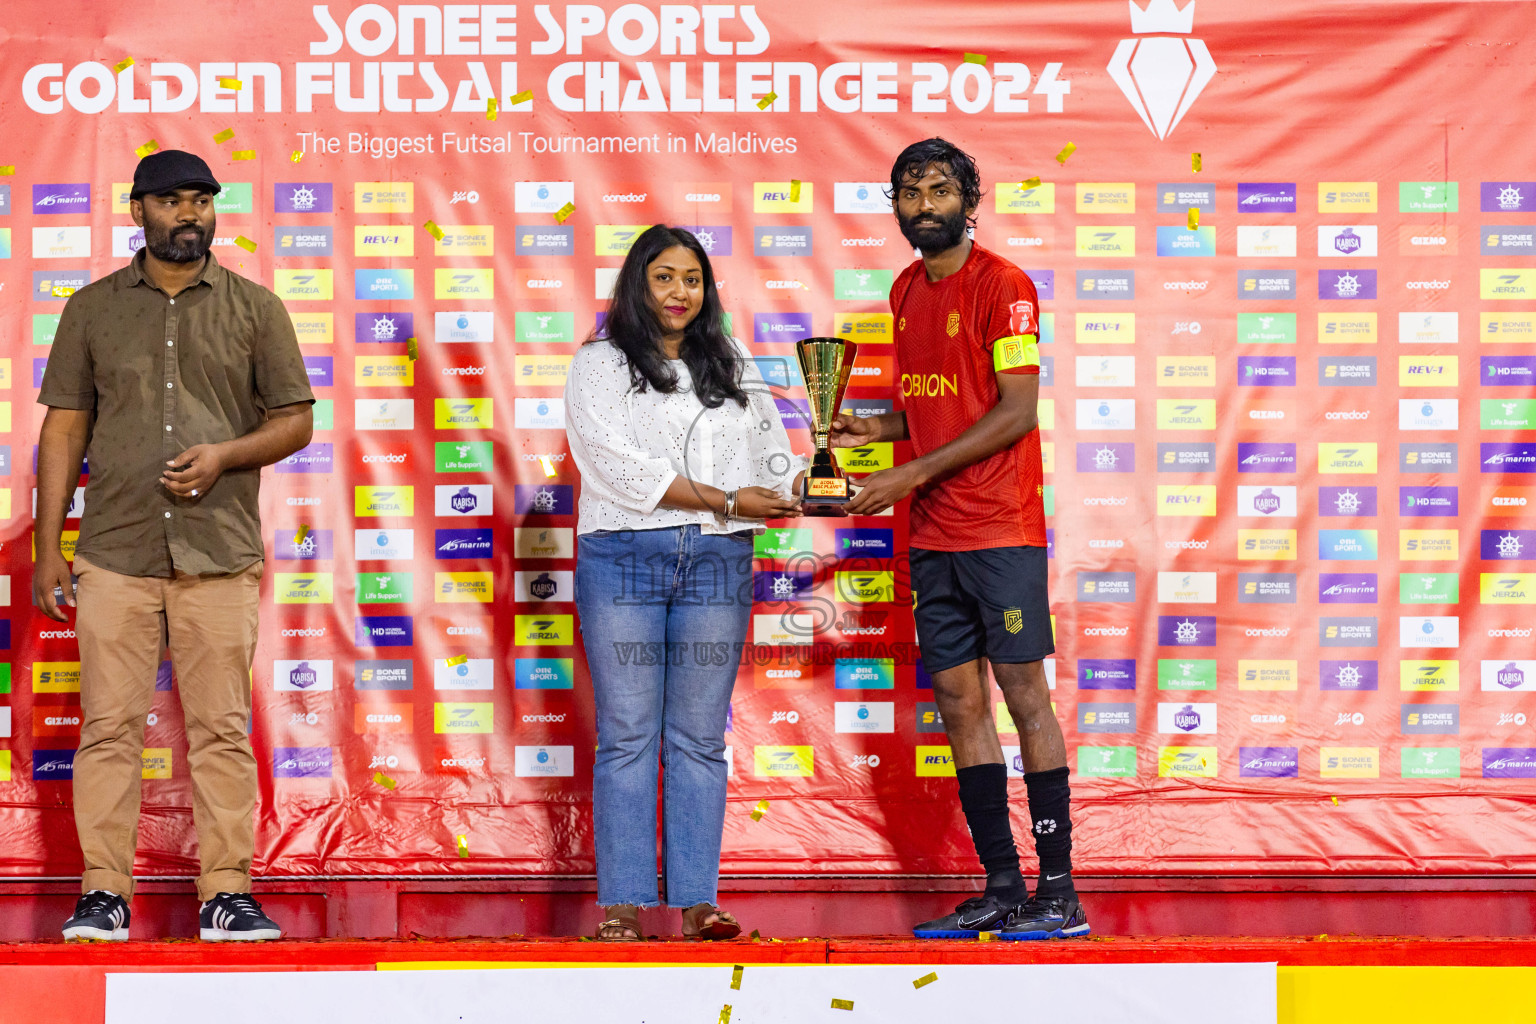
{"type": "Point", "coordinates": [163, 374]}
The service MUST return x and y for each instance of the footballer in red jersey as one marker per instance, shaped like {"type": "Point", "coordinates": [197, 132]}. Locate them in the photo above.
{"type": "Point", "coordinates": [967, 351]}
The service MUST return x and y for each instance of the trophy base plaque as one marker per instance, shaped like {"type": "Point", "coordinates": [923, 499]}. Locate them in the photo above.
{"type": "Point", "coordinates": [824, 496]}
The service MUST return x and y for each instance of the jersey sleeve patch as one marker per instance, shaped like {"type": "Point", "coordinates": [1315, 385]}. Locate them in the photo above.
{"type": "Point", "coordinates": [1019, 353]}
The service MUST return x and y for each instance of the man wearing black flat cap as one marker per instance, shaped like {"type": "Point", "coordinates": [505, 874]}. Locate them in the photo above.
{"type": "Point", "coordinates": [179, 379]}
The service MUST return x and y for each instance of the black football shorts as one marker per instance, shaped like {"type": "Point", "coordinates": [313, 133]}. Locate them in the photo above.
{"type": "Point", "coordinates": [991, 603]}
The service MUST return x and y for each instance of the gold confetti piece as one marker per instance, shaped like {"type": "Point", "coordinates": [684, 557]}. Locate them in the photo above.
{"type": "Point", "coordinates": [384, 780]}
{"type": "Point", "coordinates": [1194, 161]}
{"type": "Point", "coordinates": [224, 136]}
{"type": "Point", "coordinates": [927, 979]}
{"type": "Point", "coordinates": [8, 170]}
{"type": "Point", "coordinates": [1066, 151]}
{"type": "Point", "coordinates": [1029, 183]}
{"type": "Point", "coordinates": [245, 243]}
{"type": "Point", "coordinates": [562, 214]}
{"type": "Point", "coordinates": [760, 810]}
{"type": "Point", "coordinates": [1323, 937]}
{"type": "Point", "coordinates": [298, 538]}
{"type": "Point", "coordinates": [146, 149]}
{"type": "Point", "coordinates": [736, 976]}
{"type": "Point", "coordinates": [756, 934]}
{"type": "Point", "coordinates": [243, 154]}
{"type": "Point", "coordinates": [842, 1004]}
{"type": "Point", "coordinates": [63, 291]}
{"type": "Point", "coordinates": [297, 156]}
{"type": "Point", "coordinates": [490, 109]}
{"type": "Point", "coordinates": [231, 83]}
{"type": "Point", "coordinates": [1335, 800]}
{"type": "Point", "coordinates": [526, 96]}
{"type": "Point", "coordinates": [457, 659]}
{"type": "Point", "coordinates": [986, 936]}
{"type": "Point", "coordinates": [433, 230]}
{"type": "Point", "coordinates": [548, 464]}
{"type": "Point", "coordinates": [463, 842]}
{"type": "Point", "coordinates": [767, 101]}
{"type": "Point", "coordinates": [975, 58]}
{"type": "Point", "coordinates": [412, 351]}
{"type": "Point", "coordinates": [1194, 218]}
{"type": "Point", "coordinates": [794, 190]}
{"type": "Point", "coordinates": [725, 1014]}
{"type": "Point", "coordinates": [122, 65]}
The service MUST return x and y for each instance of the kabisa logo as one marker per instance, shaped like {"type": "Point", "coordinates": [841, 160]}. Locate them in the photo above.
{"type": "Point", "coordinates": [463, 501]}
{"type": "Point", "coordinates": [1162, 74]}
{"type": "Point", "coordinates": [542, 587]}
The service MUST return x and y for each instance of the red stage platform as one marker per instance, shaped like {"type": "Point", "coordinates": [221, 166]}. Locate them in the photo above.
{"type": "Point", "coordinates": [404, 908]}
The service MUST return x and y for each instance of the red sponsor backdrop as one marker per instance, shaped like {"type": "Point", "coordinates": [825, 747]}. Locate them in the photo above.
{"type": "Point", "coordinates": [1285, 433]}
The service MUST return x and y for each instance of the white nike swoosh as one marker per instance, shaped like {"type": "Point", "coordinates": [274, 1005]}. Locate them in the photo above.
{"type": "Point", "coordinates": [1052, 878]}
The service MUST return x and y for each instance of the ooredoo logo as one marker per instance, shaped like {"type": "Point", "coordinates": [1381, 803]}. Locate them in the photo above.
{"type": "Point", "coordinates": [1161, 72]}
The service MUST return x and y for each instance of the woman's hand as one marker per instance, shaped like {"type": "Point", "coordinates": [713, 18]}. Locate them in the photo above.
{"type": "Point", "coordinates": [764, 503]}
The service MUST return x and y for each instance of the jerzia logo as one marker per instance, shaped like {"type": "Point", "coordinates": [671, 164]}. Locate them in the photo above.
{"type": "Point", "coordinates": [1162, 73]}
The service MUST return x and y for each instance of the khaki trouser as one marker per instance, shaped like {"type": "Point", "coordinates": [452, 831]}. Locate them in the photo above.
{"type": "Point", "coordinates": [122, 624]}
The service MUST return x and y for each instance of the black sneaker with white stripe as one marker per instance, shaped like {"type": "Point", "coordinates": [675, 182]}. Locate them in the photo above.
{"type": "Point", "coordinates": [235, 917]}
{"type": "Point", "coordinates": [99, 915]}
{"type": "Point", "coordinates": [984, 913]}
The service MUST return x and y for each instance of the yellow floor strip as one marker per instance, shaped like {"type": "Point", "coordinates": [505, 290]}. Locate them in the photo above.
{"type": "Point", "coordinates": [1404, 995]}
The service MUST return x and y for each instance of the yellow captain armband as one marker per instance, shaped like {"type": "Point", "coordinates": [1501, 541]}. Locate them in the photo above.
{"type": "Point", "coordinates": [1015, 353]}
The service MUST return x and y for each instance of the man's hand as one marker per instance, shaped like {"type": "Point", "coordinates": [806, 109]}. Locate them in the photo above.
{"type": "Point", "coordinates": [194, 471]}
{"type": "Point", "coordinates": [853, 431]}
{"type": "Point", "coordinates": [52, 571]}
{"type": "Point", "coordinates": [879, 491]}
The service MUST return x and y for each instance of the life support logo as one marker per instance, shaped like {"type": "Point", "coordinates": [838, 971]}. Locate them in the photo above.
{"type": "Point", "coordinates": [1162, 74]}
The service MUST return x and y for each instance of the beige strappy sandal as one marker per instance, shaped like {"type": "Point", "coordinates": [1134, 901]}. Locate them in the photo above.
{"type": "Point", "coordinates": [724, 925]}
{"type": "Point", "coordinates": [621, 925]}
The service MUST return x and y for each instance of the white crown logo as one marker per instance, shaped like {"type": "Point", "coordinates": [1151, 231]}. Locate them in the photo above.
{"type": "Point", "coordinates": [1161, 75]}
{"type": "Point", "coordinates": [1162, 16]}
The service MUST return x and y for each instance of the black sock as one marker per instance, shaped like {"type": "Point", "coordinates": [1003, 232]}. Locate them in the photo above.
{"type": "Point", "coordinates": [1050, 809]}
{"type": "Point", "coordinates": [984, 799]}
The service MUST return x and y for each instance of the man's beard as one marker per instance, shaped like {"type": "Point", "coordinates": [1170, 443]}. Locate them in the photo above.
{"type": "Point", "coordinates": [162, 244]}
{"type": "Point", "coordinates": [938, 237]}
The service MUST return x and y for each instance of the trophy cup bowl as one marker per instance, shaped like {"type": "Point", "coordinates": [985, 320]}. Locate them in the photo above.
{"type": "Point", "coordinates": [825, 363]}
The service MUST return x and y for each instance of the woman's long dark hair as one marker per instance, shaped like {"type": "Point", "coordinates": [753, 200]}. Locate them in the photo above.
{"type": "Point", "coordinates": [633, 328]}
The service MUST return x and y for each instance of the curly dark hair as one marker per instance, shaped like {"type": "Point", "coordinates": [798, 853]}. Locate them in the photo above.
{"type": "Point", "coordinates": [916, 160]}
{"type": "Point", "coordinates": [633, 329]}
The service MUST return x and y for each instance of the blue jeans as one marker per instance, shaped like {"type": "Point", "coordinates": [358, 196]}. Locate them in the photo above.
{"type": "Point", "coordinates": [663, 614]}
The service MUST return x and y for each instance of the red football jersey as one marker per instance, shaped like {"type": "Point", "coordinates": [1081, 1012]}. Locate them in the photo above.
{"type": "Point", "coordinates": [952, 338]}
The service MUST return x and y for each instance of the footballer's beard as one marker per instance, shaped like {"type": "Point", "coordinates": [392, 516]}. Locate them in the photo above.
{"type": "Point", "coordinates": [932, 234]}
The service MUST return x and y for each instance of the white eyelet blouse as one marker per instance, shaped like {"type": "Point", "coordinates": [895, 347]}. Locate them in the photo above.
{"type": "Point", "coordinates": [630, 445]}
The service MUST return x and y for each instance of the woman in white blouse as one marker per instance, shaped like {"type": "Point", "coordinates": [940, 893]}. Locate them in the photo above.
{"type": "Point", "coordinates": [682, 456]}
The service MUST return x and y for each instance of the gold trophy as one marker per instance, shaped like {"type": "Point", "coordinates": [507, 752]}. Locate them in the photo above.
{"type": "Point", "coordinates": [825, 363]}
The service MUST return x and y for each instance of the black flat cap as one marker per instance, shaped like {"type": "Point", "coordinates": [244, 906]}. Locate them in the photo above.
{"type": "Point", "coordinates": [170, 169]}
